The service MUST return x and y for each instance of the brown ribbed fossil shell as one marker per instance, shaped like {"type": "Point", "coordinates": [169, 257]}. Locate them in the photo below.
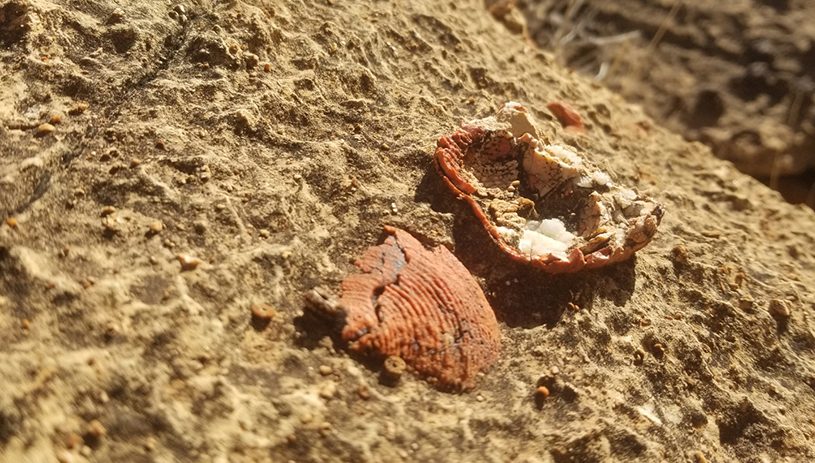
{"type": "Point", "coordinates": [423, 306]}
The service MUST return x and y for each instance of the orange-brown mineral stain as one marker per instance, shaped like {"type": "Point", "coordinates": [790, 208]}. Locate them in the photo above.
{"type": "Point", "coordinates": [423, 306]}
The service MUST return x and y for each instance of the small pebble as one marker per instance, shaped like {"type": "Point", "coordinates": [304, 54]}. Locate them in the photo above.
{"type": "Point", "coordinates": [659, 350]}
{"type": "Point", "coordinates": [79, 108]}
{"type": "Point", "coordinates": [639, 356]}
{"type": "Point", "coordinates": [325, 429]}
{"type": "Point", "coordinates": [156, 226]}
{"type": "Point", "coordinates": [251, 60]}
{"type": "Point", "coordinates": [107, 210]}
{"type": "Point", "coordinates": [73, 441]}
{"type": "Point", "coordinates": [96, 430]}
{"type": "Point", "coordinates": [116, 167]}
{"type": "Point", "coordinates": [780, 308]}
{"type": "Point", "coordinates": [44, 129]}
{"type": "Point", "coordinates": [542, 392]}
{"type": "Point", "coordinates": [328, 390]}
{"type": "Point", "coordinates": [325, 370]}
{"type": "Point", "coordinates": [188, 263]}
{"type": "Point", "coordinates": [12, 222]}
{"type": "Point", "coordinates": [117, 16]}
{"type": "Point", "coordinates": [135, 162]}
{"type": "Point", "coordinates": [680, 254]}
{"type": "Point", "coordinates": [205, 173]}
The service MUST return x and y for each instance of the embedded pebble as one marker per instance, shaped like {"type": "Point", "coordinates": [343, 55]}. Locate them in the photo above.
{"type": "Point", "coordinates": [659, 350]}
{"type": "Point", "coordinates": [44, 129]}
{"type": "Point", "coordinates": [680, 254]}
{"type": "Point", "coordinates": [117, 16]}
{"type": "Point", "coordinates": [328, 390]}
{"type": "Point", "coordinates": [94, 432]}
{"type": "Point", "coordinates": [188, 263]}
{"type": "Point", "coordinates": [251, 60]}
{"type": "Point", "coordinates": [77, 109]}
{"type": "Point", "coordinates": [780, 308]}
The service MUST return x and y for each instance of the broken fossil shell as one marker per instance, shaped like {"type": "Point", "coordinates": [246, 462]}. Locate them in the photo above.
{"type": "Point", "coordinates": [543, 204]}
{"type": "Point", "coordinates": [417, 304]}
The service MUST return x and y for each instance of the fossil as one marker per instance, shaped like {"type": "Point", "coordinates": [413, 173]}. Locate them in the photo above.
{"type": "Point", "coordinates": [543, 204]}
{"type": "Point", "coordinates": [418, 304]}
